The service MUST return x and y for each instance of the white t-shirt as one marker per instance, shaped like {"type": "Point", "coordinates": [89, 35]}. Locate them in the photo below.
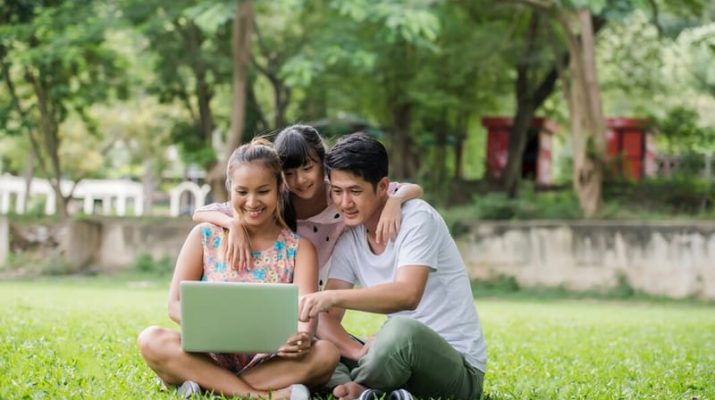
{"type": "Point", "coordinates": [447, 306]}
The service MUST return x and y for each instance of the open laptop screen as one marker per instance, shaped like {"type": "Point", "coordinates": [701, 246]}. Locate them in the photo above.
{"type": "Point", "coordinates": [234, 317]}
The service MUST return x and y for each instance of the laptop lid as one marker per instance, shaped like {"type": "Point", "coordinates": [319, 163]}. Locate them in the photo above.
{"type": "Point", "coordinates": [237, 317]}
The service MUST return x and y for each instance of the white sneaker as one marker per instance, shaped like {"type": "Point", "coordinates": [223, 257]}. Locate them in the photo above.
{"type": "Point", "coordinates": [188, 389]}
{"type": "Point", "coordinates": [299, 392]}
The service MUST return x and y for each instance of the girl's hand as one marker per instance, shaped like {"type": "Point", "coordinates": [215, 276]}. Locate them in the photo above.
{"type": "Point", "coordinates": [238, 247]}
{"type": "Point", "coordinates": [389, 224]}
{"type": "Point", "coordinates": [296, 346]}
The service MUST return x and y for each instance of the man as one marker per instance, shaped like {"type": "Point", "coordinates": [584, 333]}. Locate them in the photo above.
{"type": "Point", "coordinates": [432, 344]}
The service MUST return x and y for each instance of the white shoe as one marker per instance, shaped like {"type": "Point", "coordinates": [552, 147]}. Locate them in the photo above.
{"type": "Point", "coordinates": [299, 392]}
{"type": "Point", "coordinates": [188, 389]}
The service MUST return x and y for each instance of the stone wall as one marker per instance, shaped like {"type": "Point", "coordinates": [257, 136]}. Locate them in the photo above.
{"type": "Point", "coordinates": [4, 239]}
{"type": "Point", "coordinates": [118, 243]}
{"type": "Point", "coordinates": [669, 258]}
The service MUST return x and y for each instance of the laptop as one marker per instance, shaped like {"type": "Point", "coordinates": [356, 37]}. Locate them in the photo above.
{"type": "Point", "coordinates": [233, 317]}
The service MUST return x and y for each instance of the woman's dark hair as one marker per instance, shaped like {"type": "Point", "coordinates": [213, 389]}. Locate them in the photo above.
{"type": "Point", "coordinates": [297, 144]}
{"type": "Point", "coordinates": [361, 155]}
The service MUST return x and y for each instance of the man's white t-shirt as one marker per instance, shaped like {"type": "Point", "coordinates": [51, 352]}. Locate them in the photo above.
{"type": "Point", "coordinates": [447, 306]}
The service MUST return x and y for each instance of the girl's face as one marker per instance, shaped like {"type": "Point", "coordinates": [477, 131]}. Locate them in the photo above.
{"type": "Point", "coordinates": [306, 181]}
{"type": "Point", "coordinates": [254, 193]}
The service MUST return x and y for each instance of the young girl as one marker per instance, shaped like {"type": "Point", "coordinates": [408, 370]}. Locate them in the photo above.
{"type": "Point", "coordinates": [254, 180]}
{"type": "Point", "coordinates": [302, 152]}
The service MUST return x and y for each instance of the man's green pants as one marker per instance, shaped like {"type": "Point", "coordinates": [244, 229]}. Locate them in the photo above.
{"type": "Point", "coordinates": [408, 354]}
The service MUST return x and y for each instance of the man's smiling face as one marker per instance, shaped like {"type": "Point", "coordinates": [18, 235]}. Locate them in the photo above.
{"type": "Point", "coordinates": [355, 198]}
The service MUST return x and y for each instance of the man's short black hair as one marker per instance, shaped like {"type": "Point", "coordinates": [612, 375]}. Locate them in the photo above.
{"type": "Point", "coordinates": [359, 154]}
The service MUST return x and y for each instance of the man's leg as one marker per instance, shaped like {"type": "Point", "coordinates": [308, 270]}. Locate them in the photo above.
{"type": "Point", "coordinates": [408, 354]}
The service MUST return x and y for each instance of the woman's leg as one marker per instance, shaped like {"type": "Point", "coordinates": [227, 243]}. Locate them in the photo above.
{"type": "Point", "coordinates": [161, 349]}
{"type": "Point", "coordinates": [314, 369]}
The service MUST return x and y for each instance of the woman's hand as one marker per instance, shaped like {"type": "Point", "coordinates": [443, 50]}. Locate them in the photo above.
{"type": "Point", "coordinates": [296, 346]}
{"type": "Point", "coordinates": [389, 224]}
{"type": "Point", "coordinates": [238, 247]}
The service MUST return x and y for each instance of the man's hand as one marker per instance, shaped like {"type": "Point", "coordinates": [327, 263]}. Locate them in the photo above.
{"type": "Point", "coordinates": [296, 346]}
{"type": "Point", "coordinates": [310, 305]}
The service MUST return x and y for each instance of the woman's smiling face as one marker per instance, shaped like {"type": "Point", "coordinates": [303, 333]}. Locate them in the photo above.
{"type": "Point", "coordinates": [254, 193]}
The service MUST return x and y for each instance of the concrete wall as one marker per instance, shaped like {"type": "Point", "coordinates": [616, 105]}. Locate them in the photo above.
{"type": "Point", "coordinates": [669, 259]}
{"type": "Point", "coordinates": [4, 240]}
{"type": "Point", "coordinates": [115, 244]}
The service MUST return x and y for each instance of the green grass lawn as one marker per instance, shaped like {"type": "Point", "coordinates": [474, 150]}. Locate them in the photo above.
{"type": "Point", "coordinates": [76, 339]}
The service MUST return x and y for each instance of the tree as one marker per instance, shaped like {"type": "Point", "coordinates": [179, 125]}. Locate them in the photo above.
{"type": "Point", "coordinates": [242, 33]}
{"type": "Point", "coordinates": [54, 63]}
{"type": "Point", "coordinates": [189, 41]}
{"type": "Point", "coordinates": [581, 87]}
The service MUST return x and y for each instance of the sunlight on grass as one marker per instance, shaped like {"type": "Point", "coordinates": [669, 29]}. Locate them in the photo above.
{"type": "Point", "coordinates": [76, 339]}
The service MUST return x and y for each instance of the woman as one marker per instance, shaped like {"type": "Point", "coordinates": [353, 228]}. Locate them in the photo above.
{"type": "Point", "coordinates": [280, 256]}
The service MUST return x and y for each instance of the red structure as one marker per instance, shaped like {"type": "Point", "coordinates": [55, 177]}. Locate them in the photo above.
{"type": "Point", "coordinates": [629, 144]}
{"type": "Point", "coordinates": [536, 164]}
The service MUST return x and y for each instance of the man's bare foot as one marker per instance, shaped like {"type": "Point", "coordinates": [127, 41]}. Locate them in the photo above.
{"type": "Point", "coordinates": [348, 391]}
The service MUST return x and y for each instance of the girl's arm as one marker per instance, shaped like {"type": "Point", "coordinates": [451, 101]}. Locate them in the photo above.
{"type": "Point", "coordinates": [219, 214]}
{"type": "Point", "coordinates": [305, 276]}
{"type": "Point", "coordinates": [189, 267]}
{"type": "Point", "coordinates": [389, 224]}
{"type": "Point", "coordinates": [238, 246]}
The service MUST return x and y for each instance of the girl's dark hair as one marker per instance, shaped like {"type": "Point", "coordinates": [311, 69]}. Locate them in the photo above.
{"type": "Point", "coordinates": [297, 144]}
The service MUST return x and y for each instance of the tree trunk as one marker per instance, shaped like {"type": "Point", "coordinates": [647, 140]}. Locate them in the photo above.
{"type": "Point", "coordinates": [439, 172]}
{"type": "Point", "coordinates": [28, 175]}
{"type": "Point", "coordinates": [241, 41]}
{"type": "Point", "coordinates": [204, 94]}
{"type": "Point", "coordinates": [401, 143]}
{"type": "Point", "coordinates": [588, 124]}
{"type": "Point", "coordinates": [148, 184]}
{"type": "Point", "coordinates": [282, 98]}
{"type": "Point", "coordinates": [525, 108]}
{"type": "Point", "coordinates": [50, 141]}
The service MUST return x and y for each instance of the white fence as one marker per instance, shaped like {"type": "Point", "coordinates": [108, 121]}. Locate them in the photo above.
{"type": "Point", "coordinates": [115, 196]}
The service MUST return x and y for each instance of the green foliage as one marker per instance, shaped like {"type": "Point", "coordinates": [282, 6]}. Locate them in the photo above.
{"type": "Point", "coordinates": [681, 132]}
{"type": "Point", "coordinates": [193, 148]}
{"type": "Point", "coordinates": [661, 199]}
{"type": "Point", "coordinates": [679, 197]}
{"type": "Point", "coordinates": [145, 263]}
{"type": "Point", "coordinates": [77, 339]}
{"type": "Point", "coordinates": [529, 205]}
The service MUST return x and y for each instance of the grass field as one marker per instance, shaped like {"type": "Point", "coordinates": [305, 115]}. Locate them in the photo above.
{"type": "Point", "coordinates": [75, 339]}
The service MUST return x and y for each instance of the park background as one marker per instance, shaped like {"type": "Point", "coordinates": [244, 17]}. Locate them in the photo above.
{"type": "Point", "coordinates": [586, 220]}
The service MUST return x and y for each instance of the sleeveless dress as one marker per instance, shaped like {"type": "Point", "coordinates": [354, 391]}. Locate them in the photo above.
{"type": "Point", "coordinates": [273, 265]}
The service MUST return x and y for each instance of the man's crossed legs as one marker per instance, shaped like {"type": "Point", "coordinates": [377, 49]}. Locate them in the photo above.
{"type": "Point", "coordinates": [408, 354]}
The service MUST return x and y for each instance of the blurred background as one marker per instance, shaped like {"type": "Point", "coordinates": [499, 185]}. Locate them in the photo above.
{"type": "Point", "coordinates": [551, 110]}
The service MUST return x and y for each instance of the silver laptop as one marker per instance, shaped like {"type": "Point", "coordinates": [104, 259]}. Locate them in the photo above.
{"type": "Point", "coordinates": [232, 317]}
